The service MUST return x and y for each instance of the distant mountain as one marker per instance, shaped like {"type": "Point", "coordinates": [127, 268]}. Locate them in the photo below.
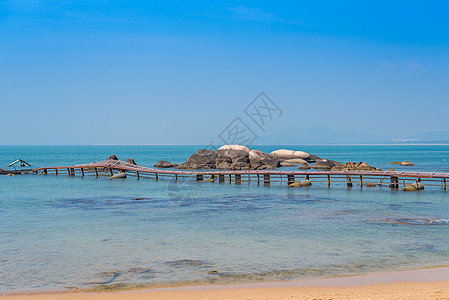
{"type": "Point", "coordinates": [318, 135]}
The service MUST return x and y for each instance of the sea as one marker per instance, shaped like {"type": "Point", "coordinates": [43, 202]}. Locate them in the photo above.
{"type": "Point", "coordinates": [86, 233]}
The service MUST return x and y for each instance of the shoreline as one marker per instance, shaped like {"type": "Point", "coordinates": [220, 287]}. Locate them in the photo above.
{"type": "Point", "coordinates": [372, 284]}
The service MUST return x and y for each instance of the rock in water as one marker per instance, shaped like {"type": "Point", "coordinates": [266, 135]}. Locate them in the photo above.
{"type": "Point", "coordinates": [409, 188]}
{"type": "Point", "coordinates": [325, 164]}
{"type": "Point", "coordinates": [163, 164]}
{"type": "Point", "coordinates": [351, 166]}
{"type": "Point", "coordinates": [283, 154]}
{"type": "Point", "coordinates": [304, 166]}
{"type": "Point", "coordinates": [118, 175]}
{"type": "Point", "coordinates": [406, 163]}
{"type": "Point", "coordinates": [395, 163]}
{"type": "Point", "coordinates": [239, 156]}
{"type": "Point", "coordinates": [201, 159]}
{"type": "Point", "coordinates": [295, 161]}
{"type": "Point", "coordinates": [418, 185]}
{"type": "Point", "coordinates": [301, 183]}
{"type": "Point", "coordinates": [130, 161]}
{"type": "Point", "coordinates": [259, 160]}
{"type": "Point", "coordinates": [112, 157]}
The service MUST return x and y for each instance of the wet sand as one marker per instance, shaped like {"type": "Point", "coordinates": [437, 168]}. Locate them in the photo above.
{"type": "Point", "coordinates": [432, 283]}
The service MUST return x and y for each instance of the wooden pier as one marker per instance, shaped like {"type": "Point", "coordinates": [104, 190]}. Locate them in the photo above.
{"type": "Point", "coordinates": [391, 179]}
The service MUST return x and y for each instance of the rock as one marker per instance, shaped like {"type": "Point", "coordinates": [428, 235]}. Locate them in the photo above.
{"type": "Point", "coordinates": [300, 183]}
{"type": "Point", "coordinates": [201, 159]}
{"type": "Point", "coordinates": [325, 164]}
{"type": "Point", "coordinates": [304, 166]}
{"type": "Point", "coordinates": [118, 175]}
{"type": "Point", "coordinates": [238, 154]}
{"type": "Point", "coordinates": [370, 184]}
{"type": "Point", "coordinates": [259, 160]}
{"type": "Point", "coordinates": [295, 161]}
{"type": "Point", "coordinates": [283, 154]}
{"type": "Point", "coordinates": [351, 166]}
{"type": "Point", "coordinates": [112, 157]}
{"type": "Point", "coordinates": [409, 188]}
{"type": "Point", "coordinates": [130, 161]}
{"type": "Point", "coordinates": [163, 164]}
{"type": "Point", "coordinates": [391, 170]}
{"type": "Point", "coordinates": [418, 185]}
{"type": "Point", "coordinates": [286, 164]}
{"type": "Point", "coordinates": [406, 163]}
{"type": "Point", "coordinates": [395, 163]}
{"type": "Point", "coordinates": [312, 158]}
{"type": "Point", "coordinates": [224, 162]}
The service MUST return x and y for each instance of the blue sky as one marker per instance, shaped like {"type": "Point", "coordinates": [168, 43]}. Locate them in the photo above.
{"type": "Point", "coordinates": [148, 72]}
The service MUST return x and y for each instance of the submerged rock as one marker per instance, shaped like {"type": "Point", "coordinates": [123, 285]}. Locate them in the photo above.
{"type": "Point", "coordinates": [406, 163]}
{"type": "Point", "coordinates": [201, 159]}
{"type": "Point", "coordinates": [409, 188]}
{"type": "Point", "coordinates": [418, 185]}
{"type": "Point", "coordinates": [301, 183]}
{"type": "Point", "coordinates": [395, 163]}
{"type": "Point", "coordinates": [163, 164]}
{"type": "Point", "coordinates": [118, 175]}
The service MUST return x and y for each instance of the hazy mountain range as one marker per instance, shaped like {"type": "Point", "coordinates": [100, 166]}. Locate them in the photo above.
{"type": "Point", "coordinates": [325, 135]}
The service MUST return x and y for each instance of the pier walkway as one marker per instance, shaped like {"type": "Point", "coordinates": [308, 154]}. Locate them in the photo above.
{"type": "Point", "coordinates": [392, 179]}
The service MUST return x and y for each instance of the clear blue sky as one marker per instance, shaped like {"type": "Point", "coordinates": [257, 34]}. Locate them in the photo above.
{"type": "Point", "coordinates": [149, 72]}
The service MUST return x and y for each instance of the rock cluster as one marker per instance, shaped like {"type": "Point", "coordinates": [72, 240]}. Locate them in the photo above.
{"type": "Point", "coordinates": [163, 164]}
{"type": "Point", "coordinates": [352, 166]}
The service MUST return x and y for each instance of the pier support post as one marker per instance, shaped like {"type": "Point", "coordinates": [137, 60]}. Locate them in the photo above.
{"type": "Point", "coordinates": [96, 171]}
{"type": "Point", "coordinates": [157, 177]}
{"type": "Point", "coordinates": [444, 183]}
{"type": "Point", "coordinates": [238, 178]}
{"type": "Point", "coordinates": [290, 179]}
{"type": "Point", "coordinates": [82, 172]}
{"type": "Point", "coordinates": [199, 177]}
{"type": "Point", "coordinates": [221, 178]}
{"type": "Point", "coordinates": [348, 181]}
{"type": "Point", "coordinates": [44, 171]}
{"type": "Point", "coordinates": [110, 170]}
{"type": "Point", "coordinates": [266, 179]}
{"type": "Point", "coordinates": [328, 180]}
{"type": "Point", "coordinates": [138, 175]}
{"type": "Point", "coordinates": [394, 180]}
{"type": "Point", "coordinates": [56, 171]}
{"type": "Point", "coordinates": [230, 178]}
{"type": "Point", "coordinates": [361, 181]}
{"type": "Point", "coordinates": [258, 178]}
{"type": "Point", "coordinates": [71, 172]}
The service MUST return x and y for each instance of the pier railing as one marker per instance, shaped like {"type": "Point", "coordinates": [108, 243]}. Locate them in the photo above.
{"type": "Point", "coordinates": [392, 179]}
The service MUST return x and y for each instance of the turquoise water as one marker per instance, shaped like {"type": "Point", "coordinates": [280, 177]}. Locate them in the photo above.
{"type": "Point", "coordinates": [84, 232]}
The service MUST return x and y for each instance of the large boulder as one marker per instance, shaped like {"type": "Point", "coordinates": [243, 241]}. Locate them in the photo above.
{"type": "Point", "coordinates": [238, 154]}
{"type": "Point", "coordinates": [325, 164]}
{"type": "Point", "coordinates": [295, 161]}
{"type": "Point", "coordinates": [283, 154]}
{"type": "Point", "coordinates": [259, 160]}
{"type": "Point", "coordinates": [163, 164]}
{"type": "Point", "coordinates": [201, 159]}
{"type": "Point", "coordinates": [224, 162]}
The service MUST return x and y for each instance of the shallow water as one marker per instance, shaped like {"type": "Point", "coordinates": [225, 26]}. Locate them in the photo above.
{"type": "Point", "coordinates": [85, 232]}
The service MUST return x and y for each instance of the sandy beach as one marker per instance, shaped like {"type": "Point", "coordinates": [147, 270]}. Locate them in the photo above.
{"type": "Point", "coordinates": [432, 283]}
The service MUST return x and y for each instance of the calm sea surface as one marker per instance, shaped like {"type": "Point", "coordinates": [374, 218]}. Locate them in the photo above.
{"type": "Point", "coordinates": [59, 232]}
